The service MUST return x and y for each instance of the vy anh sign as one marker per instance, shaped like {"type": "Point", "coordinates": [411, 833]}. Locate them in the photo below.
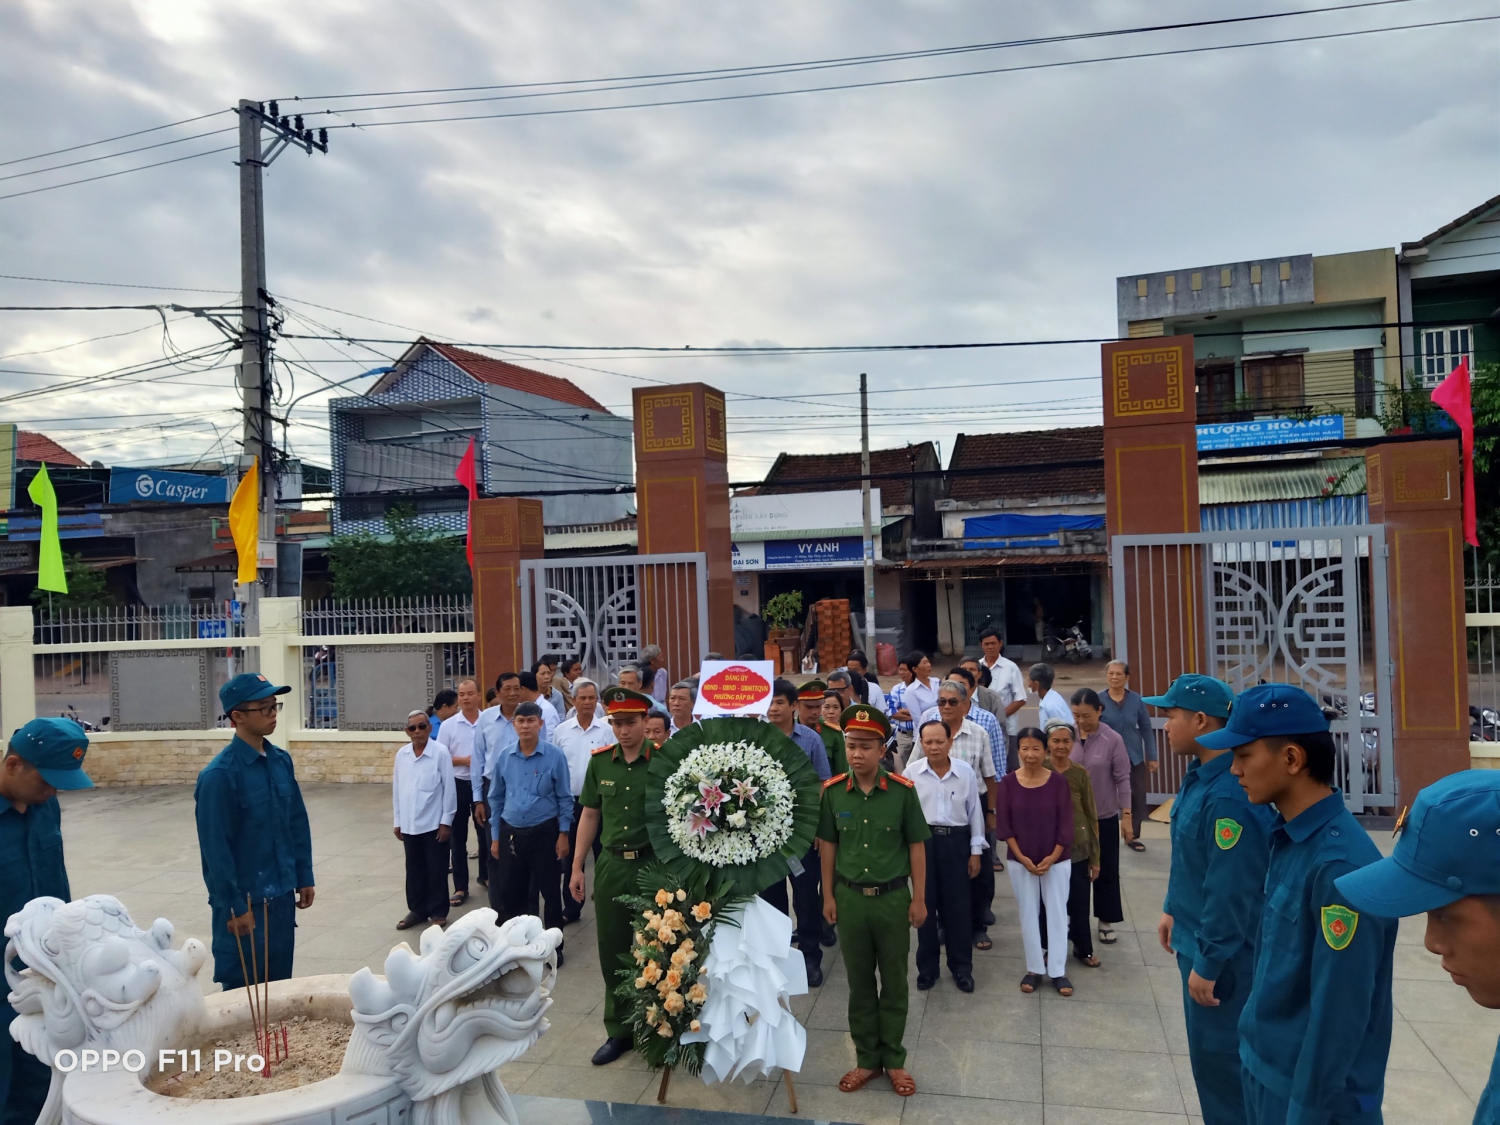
{"type": "Point", "coordinates": [734, 687]}
{"type": "Point", "coordinates": [159, 487]}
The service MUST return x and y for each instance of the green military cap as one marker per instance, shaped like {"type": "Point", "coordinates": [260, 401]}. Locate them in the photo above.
{"type": "Point", "coordinates": [623, 701]}
{"type": "Point", "coordinates": [812, 691]}
{"type": "Point", "coordinates": [56, 748]}
{"type": "Point", "coordinates": [862, 716]}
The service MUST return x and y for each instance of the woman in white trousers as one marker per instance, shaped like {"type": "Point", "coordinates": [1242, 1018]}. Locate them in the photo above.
{"type": "Point", "coordinates": [1034, 816]}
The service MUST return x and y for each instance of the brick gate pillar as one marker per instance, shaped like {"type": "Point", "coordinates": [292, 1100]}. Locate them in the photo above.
{"type": "Point", "coordinates": [506, 530]}
{"type": "Point", "coordinates": [682, 504]}
{"type": "Point", "coordinates": [1414, 489]}
{"type": "Point", "coordinates": [1151, 487]}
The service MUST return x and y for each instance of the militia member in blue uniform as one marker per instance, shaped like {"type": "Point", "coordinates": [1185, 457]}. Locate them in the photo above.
{"type": "Point", "coordinates": [1447, 865]}
{"type": "Point", "coordinates": [253, 836]}
{"type": "Point", "coordinates": [873, 838]}
{"type": "Point", "coordinates": [1221, 844]}
{"type": "Point", "coordinates": [43, 756]}
{"type": "Point", "coordinates": [1316, 1029]}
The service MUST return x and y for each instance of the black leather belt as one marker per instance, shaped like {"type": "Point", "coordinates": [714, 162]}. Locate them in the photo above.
{"type": "Point", "coordinates": [630, 853]}
{"type": "Point", "coordinates": [947, 829]}
{"type": "Point", "coordinates": [874, 890]}
{"type": "Point", "coordinates": [549, 826]}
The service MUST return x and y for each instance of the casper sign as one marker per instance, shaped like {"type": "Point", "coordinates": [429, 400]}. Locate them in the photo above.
{"type": "Point", "coordinates": [734, 687]}
{"type": "Point", "coordinates": [158, 487]}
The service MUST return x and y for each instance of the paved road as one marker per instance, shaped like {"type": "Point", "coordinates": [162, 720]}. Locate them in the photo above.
{"type": "Point", "coordinates": [1114, 1054]}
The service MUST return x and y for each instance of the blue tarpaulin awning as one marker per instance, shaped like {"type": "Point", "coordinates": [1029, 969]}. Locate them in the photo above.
{"type": "Point", "coordinates": [983, 532]}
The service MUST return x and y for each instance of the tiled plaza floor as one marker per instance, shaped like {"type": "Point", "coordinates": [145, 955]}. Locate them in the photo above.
{"type": "Point", "coordinates": [1113, 1054]}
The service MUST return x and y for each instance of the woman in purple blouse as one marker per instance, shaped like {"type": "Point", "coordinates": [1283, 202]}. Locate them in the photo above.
{"type": "Point", "coordinates": [1034, 816]}
{"type": "Point", "coordinates": [1102, 752]}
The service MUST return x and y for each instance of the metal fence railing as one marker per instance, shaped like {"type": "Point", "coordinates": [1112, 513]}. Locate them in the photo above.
{"type": "Point", "coordinates": [111, 624]}
{"type": "Point", "coordinates": [453, 662]}
{"type": "Point", "coordinates": [1482, 621]}
{"type": "Point", "coordinates": [388, 615]}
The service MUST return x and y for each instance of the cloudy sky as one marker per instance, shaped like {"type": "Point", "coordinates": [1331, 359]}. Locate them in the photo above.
{"type": "Point", "coordinates": [988, 207]}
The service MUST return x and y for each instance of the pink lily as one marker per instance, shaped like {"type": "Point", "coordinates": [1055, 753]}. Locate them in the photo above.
{"type": "Point", "coordinates": [700, 825]}
{"type": "Point", "coordinates": [744, 791]}
{"type": "Point", "coordinates": [712, 795]}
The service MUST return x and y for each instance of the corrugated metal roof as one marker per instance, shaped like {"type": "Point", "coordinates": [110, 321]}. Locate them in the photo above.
{"type": "Point", "coordinates": [578, 540]}
{"type": "Point", "coordinates": [1300, 482]}
{"type": "Point", "coordinates": [808, 533]}
{"type": "Point", "coordinates": [1331, 511]}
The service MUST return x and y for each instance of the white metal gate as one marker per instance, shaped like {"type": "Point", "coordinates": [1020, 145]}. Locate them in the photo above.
{"type": "Point", "coordinates": [605, 609]}
{"type": "Point", "coordinates": [1306, 606]}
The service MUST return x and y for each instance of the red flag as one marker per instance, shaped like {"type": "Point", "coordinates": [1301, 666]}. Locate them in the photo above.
{"type": "Point", "coordinates": [466, 475]}
{"type": "Point", "coordinates": [1454, 395]}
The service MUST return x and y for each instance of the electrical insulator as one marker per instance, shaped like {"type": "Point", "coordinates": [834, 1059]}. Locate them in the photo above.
{"type": "Point", "coordinates": [298, 122]}
{"type": "Point", "coordinates": [323, 137]}
{"type": "Point", "coordinates": [274, 110]}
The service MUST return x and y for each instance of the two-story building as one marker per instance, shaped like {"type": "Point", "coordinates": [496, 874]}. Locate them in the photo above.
{"type": "Point", "coordinates": [1449, 284]}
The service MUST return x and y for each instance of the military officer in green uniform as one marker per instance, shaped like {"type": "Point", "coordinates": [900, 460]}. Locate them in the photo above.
{"type": "Point", "coordinates": [809, 705]}
{"type": "Point", "coordinates": [44, 756]}
{"type": "Point", "coordinates": [614, 809]}
{"type": "Point", "coordinates": [873, 834]}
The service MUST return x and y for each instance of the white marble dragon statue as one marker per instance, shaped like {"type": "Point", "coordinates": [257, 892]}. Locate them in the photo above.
{"type": "Point", "coordinates": [444, 1021]}
{"type": "Point", "coordinates": [93, 979]}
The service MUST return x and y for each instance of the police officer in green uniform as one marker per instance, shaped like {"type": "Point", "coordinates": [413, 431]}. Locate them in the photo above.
{"type": "Point", "coordinates": [809, 708]}
{"type": "Point", "coordinates": [253, 837]}
{"type": "Point", "coordinates": [1221, 844]}
{"type": "Point", "coordinates": [44, 756]}
{"type": "Point", "coordinates": [614, 808]}
{"type": "Point", "coordinates": [873, 834]}
{"type": "Point", "coordinates": [1316, 1030]}
{"type": "Point", "coordinates": [1447, 865]}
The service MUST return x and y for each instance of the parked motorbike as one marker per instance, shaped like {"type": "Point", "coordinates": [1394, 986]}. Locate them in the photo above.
{"type": "Point", "coordinates": [1072, 646]}
{"type": "Point", "coordinates": [1484, 724]}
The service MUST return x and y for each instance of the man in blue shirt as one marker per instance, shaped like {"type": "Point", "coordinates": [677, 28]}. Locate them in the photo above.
{"type": "Point", "coordinates": [1316, 1030]}
{"type": "Point", "coordinates": [807, 884]}
{"type": "Point", "coordinates": [44, 756]}
{"type": "Point", "coordinates": [1221, 844]}
{"type": "Point", "coordinates": [1447, 865]}
{"type": "Point", "coordinates": [492, 734]}
{"type": "Point", "coordinates": [531, 807]}
{"type": "Point", "coordinates": [254, 838]}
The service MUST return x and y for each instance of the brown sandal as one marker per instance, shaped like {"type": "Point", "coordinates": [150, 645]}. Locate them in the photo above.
{"type": "Point", "coordinates": [857, 1079]}
{"type": "Point", "coordinates": [903, 1083]}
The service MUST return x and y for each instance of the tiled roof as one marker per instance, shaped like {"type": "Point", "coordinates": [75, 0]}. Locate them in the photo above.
{"type": "Point", "coordinates": [1449, 228]}
{"type": "Point", "coordinates": [498, 373]}
{"type": "Point", "coordinates": [829, 472]}
{"type": "Point", "coordinates": [39, 447]}
{"type": "Point", "coordinates": [1027, 447]}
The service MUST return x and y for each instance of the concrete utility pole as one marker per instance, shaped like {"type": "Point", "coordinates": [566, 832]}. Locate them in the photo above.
{"type": "Point", "coordinates": [864, 484]}
{"type": "Point", "coordinates": [255, 311]}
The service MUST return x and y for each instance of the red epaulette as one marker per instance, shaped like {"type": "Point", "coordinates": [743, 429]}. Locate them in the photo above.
{"type": "Point", "coordinates": [903, 780]}
{"type": "Point", "coordinates": [603, 750]}
{"type": "Point", "coordinates": [835, 780]}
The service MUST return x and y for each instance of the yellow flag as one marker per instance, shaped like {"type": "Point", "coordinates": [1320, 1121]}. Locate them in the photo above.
{"type": "Point", "coordinates": [244, 522]}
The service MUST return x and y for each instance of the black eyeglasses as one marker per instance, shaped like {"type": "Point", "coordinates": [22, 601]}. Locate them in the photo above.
{"type": "Point", "coordinates": [949, 702]}
{"type": "Point", "coordinates": [419, 726]}
{"type": "Point", "coordinates": [271, 710]}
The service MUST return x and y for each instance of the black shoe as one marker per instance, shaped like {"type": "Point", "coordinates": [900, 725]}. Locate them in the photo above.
{"type": "Point", "coordinates": [796, 936]}
{"type": "Point", "coordinates": [814, 976]}
{"type": "Point", "coordinates": [559, 958]}
{"type": "Point", "coordinates": [830, 937]}
{"type": "Point", "coordinates": [924, 983]}
{"type": "Point", "coordinates": [965, 982]}
{"type": "Point", "coordinates": [613, 1048]}
{"type": "Point", "coordinates": [989, 917]}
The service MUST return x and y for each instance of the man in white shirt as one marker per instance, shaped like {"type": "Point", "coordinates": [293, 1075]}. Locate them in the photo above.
{"type": "Point", "coordinates": [858, 662]}
{"type": "Point", "coordinates": [578, 737]}
{"type": "Point", "coordinates": [545, 671]}
{"type": "Point", "coordinates": [654, 669]}
{"type": "Point", "coordinates": [1052, 705]}
{"type": "Point", "coordinates": [1007, 682]}
{"type": "Point", "coordinates": [680, 699]}
{"type": "Point", "coordinates": [424, 803]}
{"type": "Point", "coordinates": [456, 735]}
{"type": "Point", "coordinates": [492, 734]}
{"type": "Point", "coordinates": [949, 792]}
{"type": "Point", "coordinates": [532, 693]}
{"type": "Point", "coordinates": [971, 745]}
{"type": "Point", "coordinates": [921, 694]}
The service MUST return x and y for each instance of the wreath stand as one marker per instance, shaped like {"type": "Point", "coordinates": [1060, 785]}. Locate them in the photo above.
{"type": "Point", "coordinates": [786, 1076]}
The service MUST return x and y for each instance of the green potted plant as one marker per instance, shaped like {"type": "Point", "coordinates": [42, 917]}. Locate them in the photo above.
{"type": "Point", "coordinates": [779, 613]}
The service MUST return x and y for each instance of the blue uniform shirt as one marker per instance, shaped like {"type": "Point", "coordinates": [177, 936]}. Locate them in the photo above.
{"type": "Point", "coordinates": [31, 856]}
{"type": "Point", "coordinates": [1316, 1029]}
{"type": "Point", "coordinates": [812, 745]}
{"type": "Point", "coordinates": [493, 732]}
{"type": "Point", "coordinates": [1221, 844]}
{"type": "Point", "coordinates": [527, 790]}
{"type": "Point", "coordinates": [1488, 1112]}
{"type": "Point", "coordinates": [253, 833]}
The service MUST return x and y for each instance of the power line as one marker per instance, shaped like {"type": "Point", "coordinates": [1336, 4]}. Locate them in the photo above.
{"type": "Point", "coordinates": [114, 284]}
{"type": "Point", "coordinates": [108, 140]}
{"type": "Point", "coordinates": [113, 155]}
{"type": "Point", "coordinates": [122, 172]}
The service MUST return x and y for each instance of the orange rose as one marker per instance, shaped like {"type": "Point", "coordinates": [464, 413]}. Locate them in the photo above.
{"type": "Point", "coordinates": [663, 897]}
{"type": "Point", "coordinates": [674, 978]}
{"type": "Point", "coordinates": [695, 1026]}
{"type": "Point", "coordinates": [674, 1003]}
{"type": "Point", "coordinates": [697, 994]}
{"type": "Point", "coordinates": [665, 1030]}
{"type": "Point", "coordinates": [702, 912]}
{"type": "Point", "coordinates": [652, 972]}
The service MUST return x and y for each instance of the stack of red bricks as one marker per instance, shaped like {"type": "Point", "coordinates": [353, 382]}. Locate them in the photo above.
{"type": "Point", "coordinates": [834, 639]}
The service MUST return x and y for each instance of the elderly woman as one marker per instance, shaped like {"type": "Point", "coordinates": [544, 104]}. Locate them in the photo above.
{"type": "Point", "coordinates": [1085, 839]}
{"type": "Point", "coordinates": [1034, 816]}
{"type": "Point", "coordinates": [1102, 752]}
{"type": "Point", "coordinates": [1125, 713]}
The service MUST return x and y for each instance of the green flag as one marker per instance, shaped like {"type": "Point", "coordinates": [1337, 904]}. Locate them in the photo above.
{"type": "Point", "coordinates": [50, 574]}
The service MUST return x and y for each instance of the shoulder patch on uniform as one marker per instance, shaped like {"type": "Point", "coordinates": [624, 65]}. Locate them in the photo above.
{"type": "Point", "coordinates": [1339, 924]}
{"type": "Point", "coordinates": [906, 781]}
{"type": "Point", "coordinates": [1227, 832]}
{"type": "Point", "coordinates": [601, 750]}
{"type": "Point", "coordinates": [834, 780]}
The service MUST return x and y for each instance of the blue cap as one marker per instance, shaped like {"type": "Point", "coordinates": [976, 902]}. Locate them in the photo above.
{"type": "Point", "coordinates": [1449, 847]}
{"type": "Point", "coordinates": [1264, 711]}
{"type": "Point", "coordinates": [1193, 692]}
{"type": "Point", "coordinates": [245, 688]}
{"type": "Point", "coordinates": [56, 748]}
